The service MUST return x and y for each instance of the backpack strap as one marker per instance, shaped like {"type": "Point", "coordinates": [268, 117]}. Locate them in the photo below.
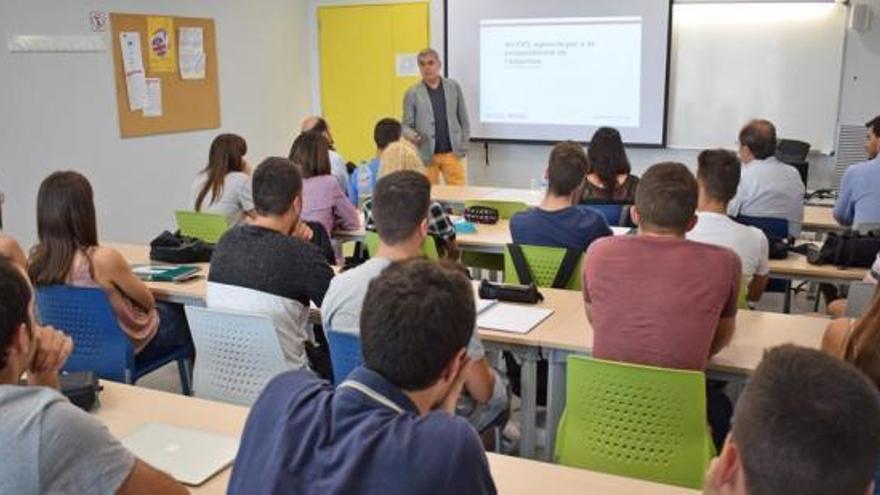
{"type": "Point", "coordinates": [519, 264]}
{"type": "Point", "coordinates": [566, 268]}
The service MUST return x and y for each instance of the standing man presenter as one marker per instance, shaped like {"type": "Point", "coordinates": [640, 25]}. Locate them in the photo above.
{"type": "Point", "coordinates": [435, 118]}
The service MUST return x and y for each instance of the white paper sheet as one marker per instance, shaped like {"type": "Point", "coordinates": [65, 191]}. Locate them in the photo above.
{"type": "Point", "coordinates": [407, 64]}
{"type": "Point", "coordinates": [133, 66]}
{"type": "Point", "coordinates": [484, 304]}
{"type": "Point", "coordinates": [620, 230]}
{"type": "Point", "coordinates": [513, 318]}
{"type": "Point", "coordinates": [153, 103]}
{"type": "Point", "coordinates": [191, 53]}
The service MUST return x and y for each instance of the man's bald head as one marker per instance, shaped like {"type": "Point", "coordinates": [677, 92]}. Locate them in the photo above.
{"type": "Point", "coordinates": [759, 138]}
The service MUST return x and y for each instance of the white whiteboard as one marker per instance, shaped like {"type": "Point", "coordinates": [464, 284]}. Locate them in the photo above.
{"type": "Point", "coordinates": [734, 62]}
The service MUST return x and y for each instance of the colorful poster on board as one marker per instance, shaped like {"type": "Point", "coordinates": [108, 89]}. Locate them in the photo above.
{"type": "Point", "coordinates": [160, 39]}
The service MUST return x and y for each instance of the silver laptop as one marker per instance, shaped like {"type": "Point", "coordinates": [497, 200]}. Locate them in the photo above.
{"type": "Point", "coordinates": [190, 456]}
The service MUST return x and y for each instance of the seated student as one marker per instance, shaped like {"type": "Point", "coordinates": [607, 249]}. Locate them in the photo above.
{"type": "Point", "coordinates": [557, 222]}
{"type": "Point", "coordinates": [49, 445]}
{"type": "Point", "coordinates": [401, 155]}
{"type": "Point", "coordinates": [858, 203]}
{"type": "Point", "coordinates": [68, 253]}
{"type": "Point", "coordinates": [400, 210]}
{"type": "Point", "coordinates": [608, 174]}
{"type": "Point", "coordinates": [805, 423]}
{"type": "Point", "coordinates": [651, 298]}
{"type": "Point", "coordinates": [323, 201]}
{"type": "Point", "coordinates": [363, 179]}
{"type": "Point", "coordinates": [389, 427]}
{"type": "Point", "coordinates": [837, 308]}
{"type": "Point", "coordinates": [338, 169]}
{"type": "Point", "coordinates": [718, 177]}
{"type": "Point", "coordinates": [224, 186]}
{"type": "Point", "coordinates": [10, 248]}
{"type": "Point", "coordinates": [263, 268]}
{"type": "Point", "coordinates": [768, 187]}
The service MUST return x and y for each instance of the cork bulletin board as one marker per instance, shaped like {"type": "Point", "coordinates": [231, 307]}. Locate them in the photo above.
{"type": "Point", "coordinates": [184, 104]}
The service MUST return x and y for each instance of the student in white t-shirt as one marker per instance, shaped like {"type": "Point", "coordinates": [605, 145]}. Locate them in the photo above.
{"type": "Point", "coordinates": [718, 176]}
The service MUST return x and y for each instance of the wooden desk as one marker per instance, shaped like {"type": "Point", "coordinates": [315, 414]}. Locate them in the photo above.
{"type": "Point", "coordinates": [457, 195]}
{"type": "Point", "coordinates": [819, 219]}
{"type": "Point", "coordinates": [796, 267]}
{"type": "Point", "coordinates": [191, 292]}
{"type": "Point", "coordinates": [125, 408]}
{"type": "Point", "coordinates": [566, 331]}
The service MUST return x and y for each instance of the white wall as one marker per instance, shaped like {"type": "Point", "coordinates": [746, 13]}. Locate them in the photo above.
{"type": "Point", "coordinates": [59, 110]}
{"type": "Point", "coordinates": [860, 98]}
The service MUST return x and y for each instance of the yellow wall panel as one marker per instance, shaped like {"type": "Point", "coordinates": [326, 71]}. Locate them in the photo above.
{"type": "Point", "coordinates": [358, 47]}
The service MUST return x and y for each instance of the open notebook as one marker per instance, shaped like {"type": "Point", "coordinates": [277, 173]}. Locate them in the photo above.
{"type": "Point", "coordinates": [507, 317]}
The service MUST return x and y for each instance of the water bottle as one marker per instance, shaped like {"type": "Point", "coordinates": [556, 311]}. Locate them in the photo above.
{"type": "Point", "coordinates": [365, 183]}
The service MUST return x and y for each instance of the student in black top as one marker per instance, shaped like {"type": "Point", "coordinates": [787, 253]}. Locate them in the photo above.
{"type": "Point", "coordinates": [608, 178]}
{"type": "Point", "coordinates": [265, 267]}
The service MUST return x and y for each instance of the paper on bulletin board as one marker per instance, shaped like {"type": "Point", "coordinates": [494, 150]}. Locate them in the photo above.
{"type": "Point", "coordinates": [191, 53]}
{"type": "Point", "coordinates": [160, 34]}
{"type": "Point", "coordinates": [153, 103]}
{"type": "Point", "coordinates": [133, 65]}
{"type": "Point", "coordinates": [407, 64]}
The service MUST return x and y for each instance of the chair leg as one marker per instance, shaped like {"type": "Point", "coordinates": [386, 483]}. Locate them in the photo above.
{"type": "Point", "coordinates": [184, 368]}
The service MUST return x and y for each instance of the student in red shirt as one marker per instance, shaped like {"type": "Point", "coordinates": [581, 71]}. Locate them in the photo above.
{"type": "Point", "coordinates": [658, 299]}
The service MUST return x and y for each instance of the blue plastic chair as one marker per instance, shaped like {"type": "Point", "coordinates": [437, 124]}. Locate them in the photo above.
{"type": "Point", "coordinates": [773, 228]}
{"type": "Point", "coordinates": [99, 344]}
{"type": "Point", "coordinates": [345, 354]}
{"type": "Point", "coordinates": [616, 214]}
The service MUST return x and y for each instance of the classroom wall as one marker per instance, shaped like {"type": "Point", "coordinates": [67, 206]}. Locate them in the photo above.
{"type": "Point", "coordinates": [59, 110]}
{"type": "Point", "coordinates": [515, 165]}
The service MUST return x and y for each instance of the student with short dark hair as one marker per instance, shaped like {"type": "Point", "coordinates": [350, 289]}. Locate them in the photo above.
{"type": "Point", "coordinates": [718, 176]}
{"type": "Point", "coordinates": [68, 252]}
{"type": "Point", "coordinates": [363, 180]}
{"type": "Point", "coordinates": [557, 221]}
{"type": "Point", "coordinates": [322, 199]}
{"type": "Point", "coordinates": [264, 267]}
{"type": "Point", "coordinates": [858, 203]}
{"type": "Point", "coordinates": [658, 299]}
{"type": "Point", "coordinates": [805, 423]}
{"type": "Point", "coordinates": [224, 186]}
{"type": "Point", "coordinates": [608, 175]}
{"type": "Point", "coordinates": [49, 445]}
{"type": "Point", "coordinates": [389, 427]}
{"type": "Point", "coordinates": [768, 187]}
{"type": "Point", "coordinates": [400, 210]}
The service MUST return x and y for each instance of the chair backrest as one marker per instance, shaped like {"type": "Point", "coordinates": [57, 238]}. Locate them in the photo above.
{"type": "Point", "coordinates": [773, 228]}
{"type": "Point", "coordinates": [635, 421]}
{"type": "Point", "coordinates": [208, 227]}
{"type": "Point", "coordinates": [792, 151]}
{"type": "Point", "coordinates": [543, 263]}
{"type": "Point", "coordinates": [429, 245]}
{"type": "Point", "coordinates": [345, 353]}
{"type": "Point", "coordinates": [616, 214]}
{"type": "Point", "coordinates": [84, 313]}
{"type": "Point", "coordinates": [859, 298]}
{"type": "Point", "coordinates": [506, 209]}
{"type": "Point", "coordinates": [236, 354]}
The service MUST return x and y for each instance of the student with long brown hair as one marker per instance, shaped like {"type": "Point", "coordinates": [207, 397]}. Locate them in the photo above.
{"type": "Point", "coordinates": [608, 173]}
{"type": "Point", "coordinates": [857, 341]}
{"type": "Point", "coordinates": [323, 200]}
{"type": "Point", "coordinates": [224, 185]}
{"type": "Point", "coordinates": [68, 252]}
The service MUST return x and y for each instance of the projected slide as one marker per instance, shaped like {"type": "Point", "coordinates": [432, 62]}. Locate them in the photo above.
{"type": "Point", "coordinates": [577, 71]}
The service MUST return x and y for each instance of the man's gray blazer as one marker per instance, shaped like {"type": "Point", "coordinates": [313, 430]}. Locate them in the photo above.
{"type": "Point", "coordinates": [418, 116]}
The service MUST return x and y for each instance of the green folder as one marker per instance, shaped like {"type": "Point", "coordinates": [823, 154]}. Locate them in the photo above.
{"type": "Point", "coordinates": [165, 273]}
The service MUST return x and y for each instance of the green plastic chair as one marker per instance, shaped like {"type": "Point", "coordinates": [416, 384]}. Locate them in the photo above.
{"type": "Point", "coordinates": [429, 245]}
{"type": "Point", "coordinates": [208, 227]}
{"type": "Point", "coordinates": [635, 421]}
{"type": "Point", "coordinates": [491, 261]}
{"type": "Point", "coordinates": [543, 264]}
{"type": "Point", "coordinates": [742, 301]}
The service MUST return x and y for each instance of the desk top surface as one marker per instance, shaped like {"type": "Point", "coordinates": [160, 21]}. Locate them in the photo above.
{"type": "Point", "coordinates": [125, 408]}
